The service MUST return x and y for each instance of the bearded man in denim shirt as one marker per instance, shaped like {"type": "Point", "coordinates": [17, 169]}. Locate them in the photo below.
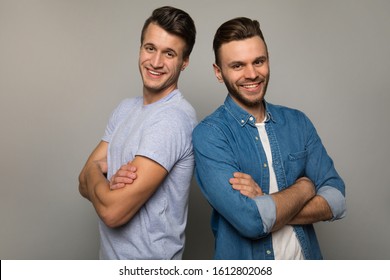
{"type": "Point", "coordinates": [262, 167]}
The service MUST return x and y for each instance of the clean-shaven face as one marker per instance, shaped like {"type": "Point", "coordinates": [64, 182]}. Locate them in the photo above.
{"type": "Point", "coordinates": [160, 61]}
{"type": "Point", "coordinates": [244, 68]}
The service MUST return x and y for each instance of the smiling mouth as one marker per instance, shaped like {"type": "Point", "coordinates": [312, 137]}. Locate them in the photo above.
{"type": "Point", "coordinates": [154, 73]}
{"type": "Point", "coordinates": [251, 86]}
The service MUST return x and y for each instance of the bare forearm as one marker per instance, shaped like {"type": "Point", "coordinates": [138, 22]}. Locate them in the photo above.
{"type": "Point", "coordinates": [96, 182]}
{"type": "Point", "coordinates": [116, 207]}
{"type": "Point", "coordinates": [94, 169]}
{"type": "Point", "coordinates": [291, 201]}
{"type": "Point", "coordinates": [90, 179]}
{"type": "Point", "coordinates": [83, 189]}
{"type": "Point", "coordinates": [96, 188]}
{"type": "Point", "coordinates": [316, 210]}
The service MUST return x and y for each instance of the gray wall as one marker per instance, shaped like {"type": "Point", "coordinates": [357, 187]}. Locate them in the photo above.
{"type": "Point", "coordinates": [64, 66]}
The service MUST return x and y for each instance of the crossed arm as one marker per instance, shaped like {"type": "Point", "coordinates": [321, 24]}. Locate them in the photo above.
{"type": "Point", "coordinates": [297, 204]}
{"type": "Point", "coordinates": [115, 203]}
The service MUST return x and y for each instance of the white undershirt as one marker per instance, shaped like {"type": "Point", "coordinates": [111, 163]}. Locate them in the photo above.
{"type": "Point", "coordinates": [284, 241]}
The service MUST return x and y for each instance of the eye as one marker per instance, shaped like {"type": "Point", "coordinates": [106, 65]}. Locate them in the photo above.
{"type": "Point", "coordinates": [170, 54]}
{"type": "Point", "coordinates": [236, 66]}
{"type": "Point", "coordinates": [149, 49]}
{"type": "Point", "coordinates": [260, 61]}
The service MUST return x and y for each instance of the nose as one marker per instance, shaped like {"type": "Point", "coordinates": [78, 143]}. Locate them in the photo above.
{"type": "Point", "coordinates": [250, 72]}
{"type": "Point", "coordinates": [156, 60]}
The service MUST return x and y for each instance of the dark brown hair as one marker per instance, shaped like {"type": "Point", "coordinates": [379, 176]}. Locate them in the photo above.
{"type": "Point", "coordinates": [174, 21]}
{"type": "Point", "coordinates": [236, 29]}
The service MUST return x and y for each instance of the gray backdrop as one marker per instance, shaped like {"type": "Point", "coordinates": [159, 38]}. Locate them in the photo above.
{"type": "Point", "coordinates": [65, 65]}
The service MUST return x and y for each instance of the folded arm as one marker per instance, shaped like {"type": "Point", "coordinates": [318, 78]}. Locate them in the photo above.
{"type": "Point", "coordinates": [294, 204]}
{"type": "Point", "coordinates": [316, 210]}
{"type": "Point", "coordinates": [116, 207]}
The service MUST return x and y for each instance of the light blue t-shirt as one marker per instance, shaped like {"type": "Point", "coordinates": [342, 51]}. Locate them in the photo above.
{"type": "Point", "coordinates": [162, 132]}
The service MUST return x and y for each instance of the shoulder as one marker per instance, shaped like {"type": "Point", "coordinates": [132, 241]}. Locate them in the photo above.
{"type": "Point", "coordinates": [124, 107]}
{"type": "Point", "coordinates": [284, 114]}
{"type": "Point", "coordinates": [219, 118]}
{"type": "Point", "coordinates": [281, 109]}
{"type": "Point", "coordinates": [181, 107]}
{"type": "Point", "coordinates": [291, 120]}
{"type": "Point", "coordinates": [129, 103]}
{"type": "Point", "coordinates": [176, 113]}
{"type": "Point", "coordinates": [214, 125]}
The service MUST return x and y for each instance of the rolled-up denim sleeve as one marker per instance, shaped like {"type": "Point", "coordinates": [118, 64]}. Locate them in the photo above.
{"type": "Point", "coordinates": [335, 200]}
{"type": "Point", "coordinates": [267, 209]}
{"type": "Point", "coordinates": [321, 170]}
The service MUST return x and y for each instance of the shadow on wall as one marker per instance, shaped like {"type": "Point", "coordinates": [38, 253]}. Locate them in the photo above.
{"type": "Point", "coordinates": [199, 237]}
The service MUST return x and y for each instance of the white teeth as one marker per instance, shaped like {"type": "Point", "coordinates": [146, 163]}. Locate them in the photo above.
{"type": "Point", "coordinates": [154, 73]}
{"type": "Point", "coordinates": [250, 86]}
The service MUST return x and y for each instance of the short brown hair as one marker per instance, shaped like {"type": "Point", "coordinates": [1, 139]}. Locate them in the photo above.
{"type": "Point", "coordinates": [174, 21]}
{"type": "Point", "coordinates": [236, 29]}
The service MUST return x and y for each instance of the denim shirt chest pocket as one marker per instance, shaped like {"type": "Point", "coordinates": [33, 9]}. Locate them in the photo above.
{"type": "Point", "coordinates": [296, 164]}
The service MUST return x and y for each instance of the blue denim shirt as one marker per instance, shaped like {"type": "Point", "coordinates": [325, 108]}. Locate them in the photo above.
{"type": "Point", "coordinates": [228, 141]}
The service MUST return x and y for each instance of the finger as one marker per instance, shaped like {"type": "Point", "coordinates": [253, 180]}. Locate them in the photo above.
{"type": "Point", "coordinates": [130, 166]}
{"type": "Point", "coordinates": [241, 181]}
{"type": "Point", "coordinates": [247, 194]}
{"type": "Point", "coordinates": [253, 188]}
{"type": "Point", "coordinates": [124, 180]}
{"type": "Point", "coordinates": [240, 187]}
{"type": "Point", "coordinates": [117, 186]}
{"type": "Point", "coordinates": [125, 173]}
{"type": "Point", "coordinates": [250, 194]}
{"type": "Point", "coordinates": [241, 175]}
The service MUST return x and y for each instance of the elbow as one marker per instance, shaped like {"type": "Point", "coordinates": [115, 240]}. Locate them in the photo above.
{"type": "Point", "coordinates": [252, 230]}
{"type": "Point", "coordinates": [112, 223]}
{"type": "Point", "coordinates": [249, 226]}
{"type": "Point", "coordinates": [82, 186]}
{"type": "Point", "coordinates": [111, 218]}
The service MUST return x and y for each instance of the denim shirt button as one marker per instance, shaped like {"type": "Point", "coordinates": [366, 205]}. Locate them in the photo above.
{"type": "Point", "coordinates": [242, 121]}
{"type": "Point", "coordinates": [268, 252]}
{"type": "Point", "coordinates": [265, 165]}
{"type": "Point", "coordinates": [257, 138]}
{"type": "Point", "coordinates": [251, 118]}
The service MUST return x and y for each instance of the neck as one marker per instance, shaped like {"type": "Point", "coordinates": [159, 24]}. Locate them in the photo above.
{"type": "Point", "coordinates": [258, 112]}
{"type": "Point", "coordinates": [154, 96]}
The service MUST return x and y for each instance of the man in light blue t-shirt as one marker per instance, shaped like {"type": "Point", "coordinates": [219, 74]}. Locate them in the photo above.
{"type": "Point", "coordinates": [143, 215]}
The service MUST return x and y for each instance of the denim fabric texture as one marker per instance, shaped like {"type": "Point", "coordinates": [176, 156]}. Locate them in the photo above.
{"type": "Point", "coordinates": [228, 141]}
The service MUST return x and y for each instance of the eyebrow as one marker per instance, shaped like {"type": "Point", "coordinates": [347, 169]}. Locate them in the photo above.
{"type": "Point", "coordinates": [164, 50]}
{"type": "Point", "coordinates": [262, 57]}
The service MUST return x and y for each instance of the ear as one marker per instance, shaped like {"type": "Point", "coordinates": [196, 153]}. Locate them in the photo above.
{"type": "Point", "coordinates": [185, 63]}
{"type": "Point", "coordinates": [218, 73]}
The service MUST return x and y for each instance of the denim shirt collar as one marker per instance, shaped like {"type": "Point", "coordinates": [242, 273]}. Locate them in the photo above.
{"type": "Point", "coordinates": [242, 116]}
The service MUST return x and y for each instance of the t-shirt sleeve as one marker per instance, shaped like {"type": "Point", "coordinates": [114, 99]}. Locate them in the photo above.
{"type": "Point", "coordinates": [167, 139]}
{"type": "Point", "coordinates": [115, 118]}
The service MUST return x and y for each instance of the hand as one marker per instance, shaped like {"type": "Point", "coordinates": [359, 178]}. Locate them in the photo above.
{"type": "Point", "coordinates": [125, 175]}
{"type": "Point", "coordinates": [245, 184]}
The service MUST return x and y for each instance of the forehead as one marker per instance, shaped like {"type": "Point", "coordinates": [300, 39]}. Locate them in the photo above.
{"type": "Point", "coordinates": [160, 38]}
{"type": "Point", "coordinates": [243, 50]}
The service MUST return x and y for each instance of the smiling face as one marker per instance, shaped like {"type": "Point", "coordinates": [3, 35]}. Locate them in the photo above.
{"type": "Point", "coordinates": [244, 68]}
{"type": "Point", "coordinates": [160, 62]}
